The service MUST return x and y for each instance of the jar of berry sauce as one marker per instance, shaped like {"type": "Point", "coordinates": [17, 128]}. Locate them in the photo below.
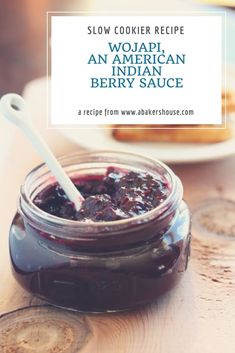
{"type": "Point", "coordinates": [98, 261]}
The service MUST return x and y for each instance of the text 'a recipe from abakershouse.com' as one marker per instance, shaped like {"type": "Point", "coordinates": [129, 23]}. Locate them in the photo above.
{"type": "Point", "coordinates": [135, 69]}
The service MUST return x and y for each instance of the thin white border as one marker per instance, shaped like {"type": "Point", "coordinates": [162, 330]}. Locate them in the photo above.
{"type": "Point", "coordinates": [223, 15]}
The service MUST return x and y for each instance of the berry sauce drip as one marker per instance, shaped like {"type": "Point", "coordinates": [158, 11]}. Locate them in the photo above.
{"type": "Point", "coordinates": [116, 195]}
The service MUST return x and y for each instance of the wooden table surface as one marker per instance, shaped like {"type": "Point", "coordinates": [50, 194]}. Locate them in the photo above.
{"type": "Point", "coordinates": [197, 316]}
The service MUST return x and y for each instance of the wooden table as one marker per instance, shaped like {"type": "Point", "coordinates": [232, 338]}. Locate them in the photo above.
{"type": "Point", "coordinates": [197, 316]}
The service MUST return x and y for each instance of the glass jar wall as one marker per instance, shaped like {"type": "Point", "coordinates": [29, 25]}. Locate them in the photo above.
{"type": "Point", "coordinates": [100, 266]}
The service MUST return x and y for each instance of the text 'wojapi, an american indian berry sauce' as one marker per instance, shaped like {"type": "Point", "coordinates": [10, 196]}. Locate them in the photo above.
{"type": "Point", "coordinates": [114, 196]}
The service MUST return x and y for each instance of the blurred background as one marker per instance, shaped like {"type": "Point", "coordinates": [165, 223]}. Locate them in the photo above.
{"type": "Point", "coordinates": [23, 40]}
{"type": "Point", "coordinates": [23, 31]}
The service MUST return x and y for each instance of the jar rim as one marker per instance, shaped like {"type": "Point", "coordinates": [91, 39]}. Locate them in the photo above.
{"type": "Point", "coordinates": [32, 210]}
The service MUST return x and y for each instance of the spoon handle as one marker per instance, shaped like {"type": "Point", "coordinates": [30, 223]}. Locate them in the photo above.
{"type": "Point", "coordinates": [42, 148]}
{"type": "Point", "coordinates": [14, 109]}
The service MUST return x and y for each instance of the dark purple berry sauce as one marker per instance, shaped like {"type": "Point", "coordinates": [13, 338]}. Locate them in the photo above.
{"type": "Point", "coordinates": [116, 195]}
{"type": "Point", "coordinates": [97, 267]}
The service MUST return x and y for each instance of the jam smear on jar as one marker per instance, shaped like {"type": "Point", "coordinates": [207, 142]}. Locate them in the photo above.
{"type": "Point", "coordinates": [114, 196]}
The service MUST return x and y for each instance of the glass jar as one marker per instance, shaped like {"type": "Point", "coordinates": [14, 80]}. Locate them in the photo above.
{"type": "Point", "coordinates": [100, 266]}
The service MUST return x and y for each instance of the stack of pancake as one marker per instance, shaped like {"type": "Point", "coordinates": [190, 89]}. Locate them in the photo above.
{"type": "Point", "coordinates": [180, 133]}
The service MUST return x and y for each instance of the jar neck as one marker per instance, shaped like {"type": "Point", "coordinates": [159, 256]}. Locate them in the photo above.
{"type": "Point", "coordinates": [101, 234]}
{"type": "Point", "coordinates": [115, 236]}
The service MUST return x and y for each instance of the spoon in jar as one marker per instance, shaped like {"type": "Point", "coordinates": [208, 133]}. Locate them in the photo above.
{"type": "Point", "coordinates": [13, 108]}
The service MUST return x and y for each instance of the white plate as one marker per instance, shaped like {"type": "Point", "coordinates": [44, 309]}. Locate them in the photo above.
{"type": "Point", "coordinates": [167, 152]}
{"type": "Point", "coordinates": [35, 95]}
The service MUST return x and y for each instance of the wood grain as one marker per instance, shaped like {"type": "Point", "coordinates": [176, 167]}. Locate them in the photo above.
{"type": "Point", "coordinates": [43, 329]}
{"type": "Point", "coordinates": [197, 316]}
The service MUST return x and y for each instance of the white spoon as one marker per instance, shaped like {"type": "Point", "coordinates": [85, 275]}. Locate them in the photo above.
{"type": "Point", "coordinates": [13, 108]}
